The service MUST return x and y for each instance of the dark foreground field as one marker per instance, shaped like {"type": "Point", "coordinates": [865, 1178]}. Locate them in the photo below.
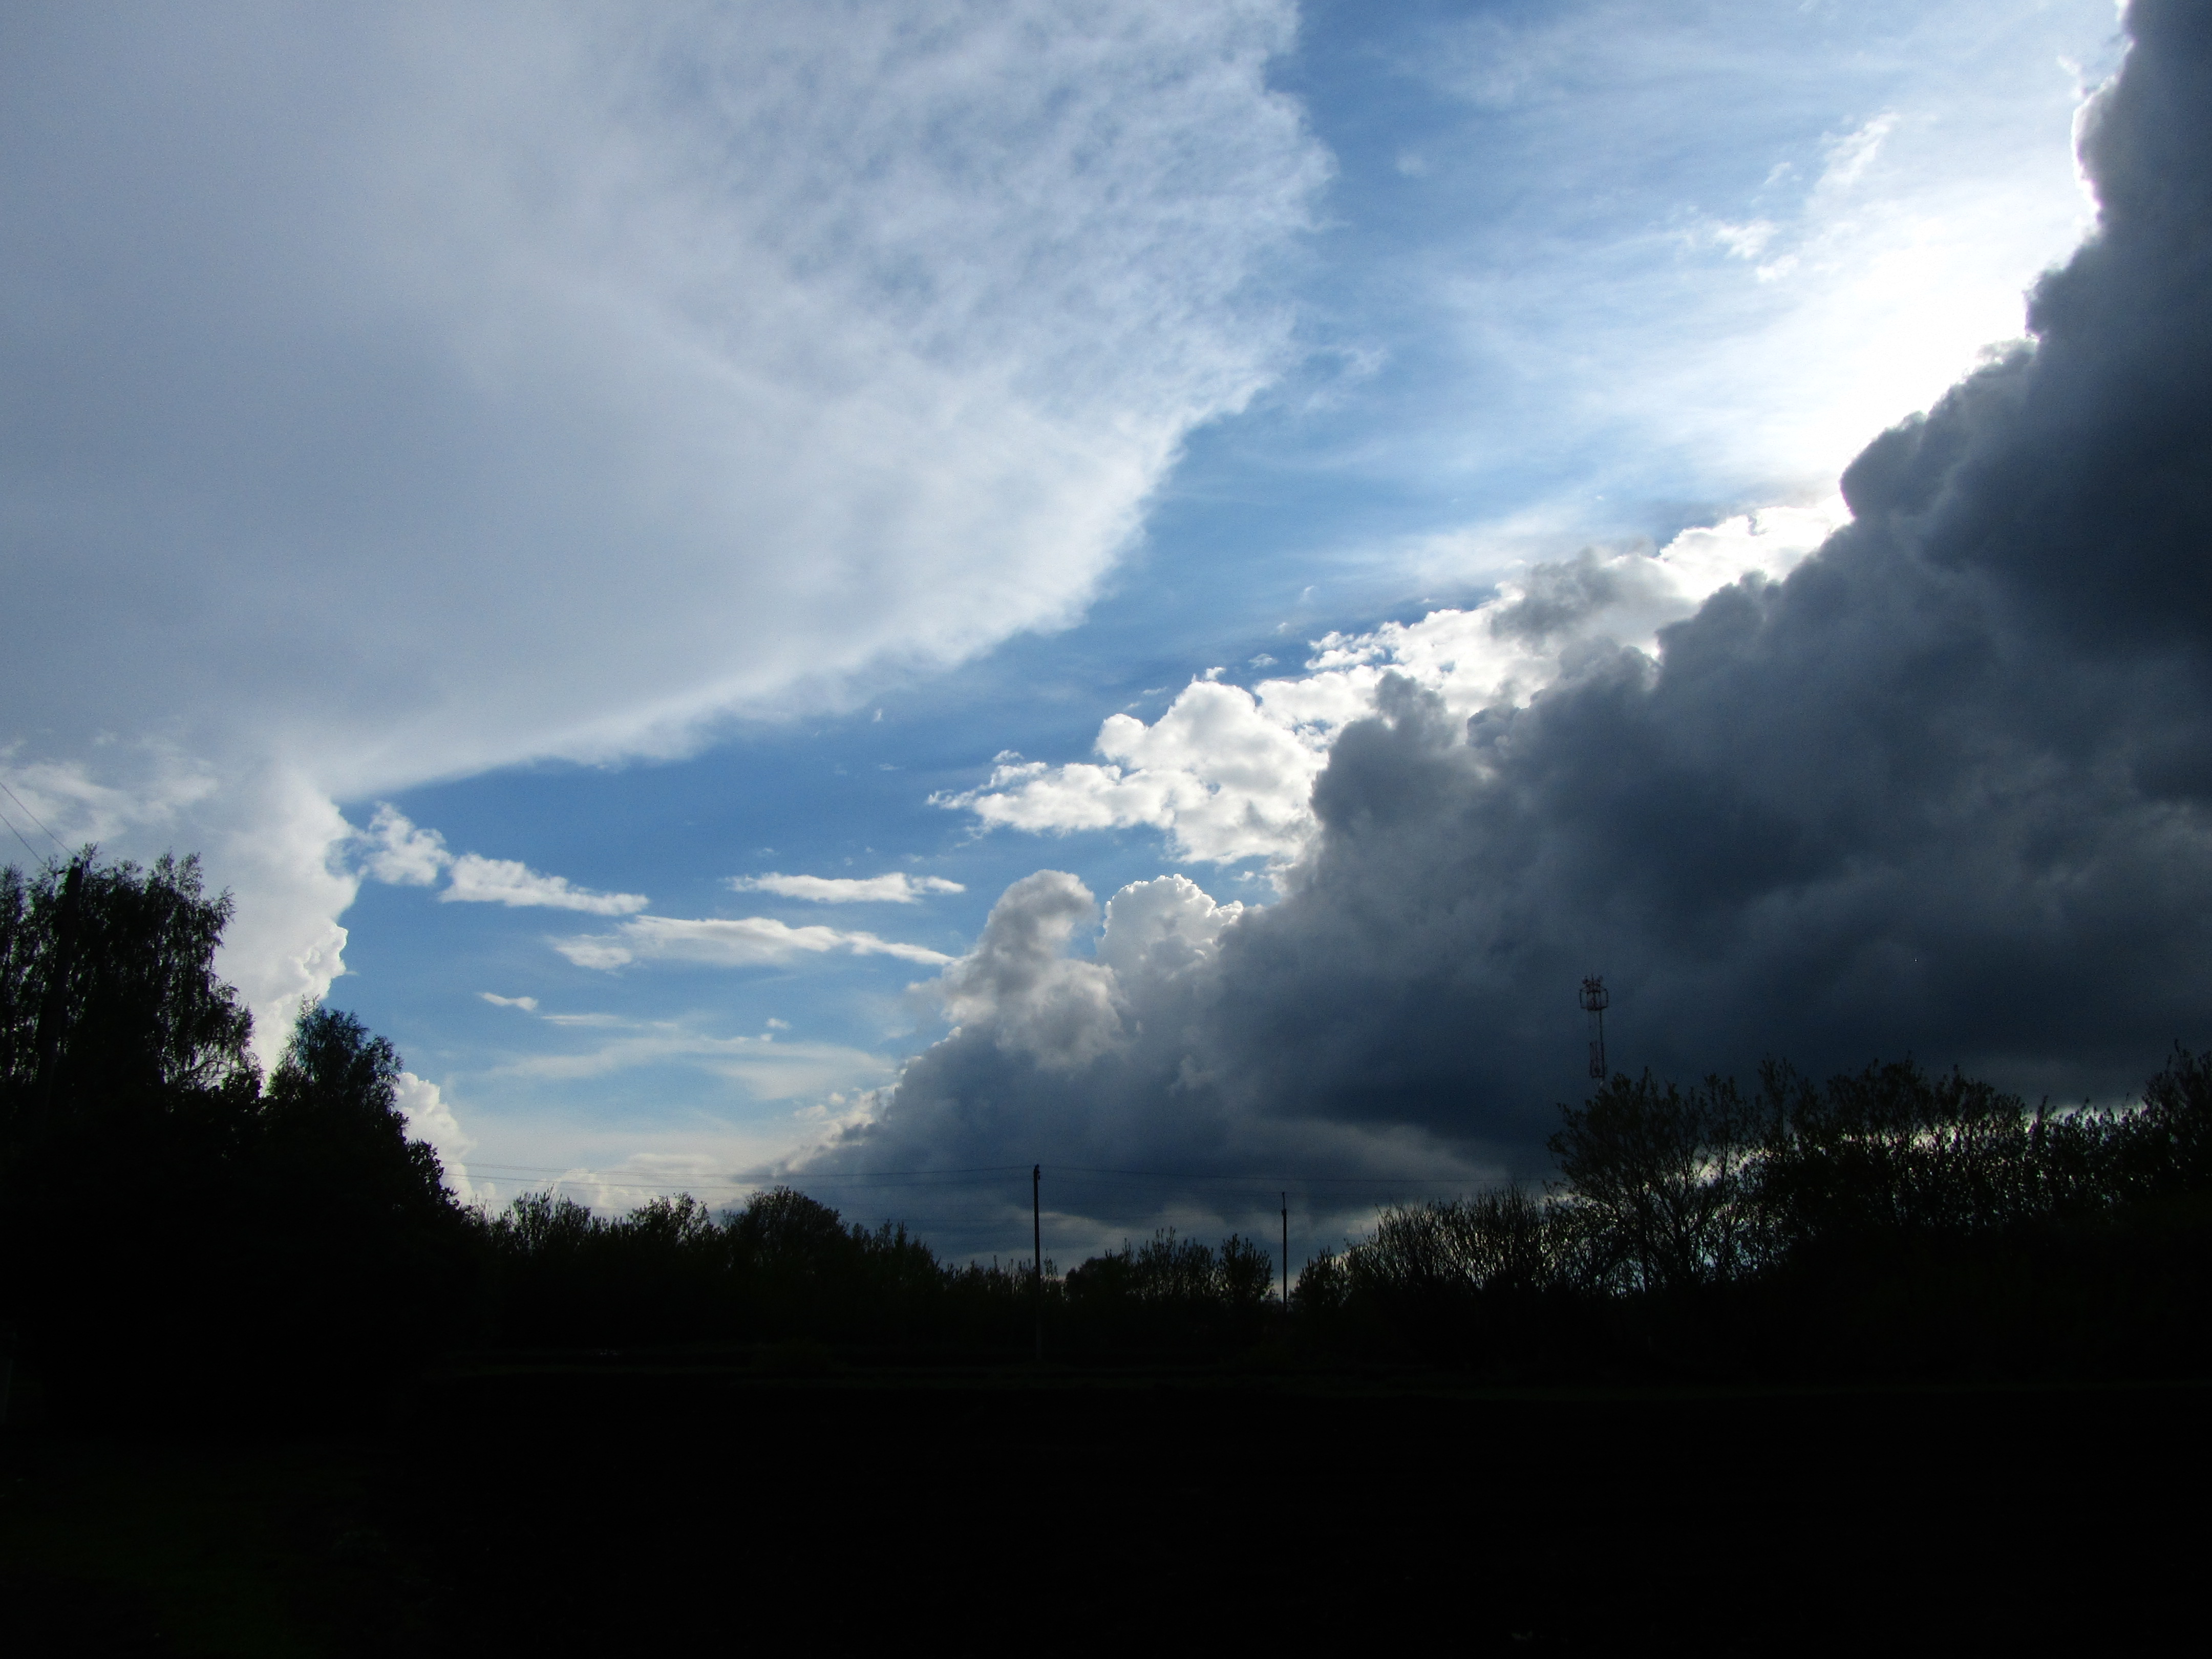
{"type": "Point", "coordinates": [606, 1506]}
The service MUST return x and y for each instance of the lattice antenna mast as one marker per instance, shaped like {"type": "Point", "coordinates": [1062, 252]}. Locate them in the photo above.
{"type": "Point", "coordinates": [1595, 1000]}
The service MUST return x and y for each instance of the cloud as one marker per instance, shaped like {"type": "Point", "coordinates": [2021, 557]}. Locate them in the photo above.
{"type": "Point", "coordinates": [1852, 154]}
{"type": "Point", "coordinates": [528, 1004]}
{"type": "Point", "coordinates": [393, 849]}
{"type": "Point", "coordinates": [1228, 773]}
{"type": "Point", "coordinates": [896, 887]}
{"type": "Point", "coordinates": [504, 881]}
{"type": "Point", "coordinates": [1583, 323]}
{"type": "Point", "coordinates": [1019, 985]}
{"type": "Point", "coordinates": [766, 1068]}
{"type": "Point", "coordinates": [268, 835]}
{"type": "Point", "coordinates": [430, 1120]}
{"type": "Point", "coordinates": [1093, 1066]}
{"type": "Point", "coordinates": [376, 416]}
{"type": "Point", "coordinates": [1944, 790]}
{"type": "Point", "coordinates": [398, 853]}
{"type": "Point", "coordinates": [740, 942]}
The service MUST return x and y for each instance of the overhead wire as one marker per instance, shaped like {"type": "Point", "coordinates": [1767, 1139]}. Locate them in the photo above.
{"type": "Point", "coordinates": [887, 1178]}
{"type": "Point", "coordinates": [856, 1177]}
{"type": "Point", "coordinates": [33, 818]}
{"type": "Point", "coordinates": [18, 834]}
{"type": "Point", "coordinates": [1263, 1179]}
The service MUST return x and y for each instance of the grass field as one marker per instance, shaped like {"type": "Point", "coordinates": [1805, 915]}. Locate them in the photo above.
{"type": "Point", "coordinates": [614, 1504]}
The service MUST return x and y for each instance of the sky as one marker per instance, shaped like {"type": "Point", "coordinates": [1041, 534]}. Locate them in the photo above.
{"type": "Point", "coordinates": [877, 595]}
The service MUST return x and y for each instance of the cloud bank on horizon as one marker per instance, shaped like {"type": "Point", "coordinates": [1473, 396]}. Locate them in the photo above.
{"type": "Point", "coordinates": [1943, 789]}
{"type": "Point", "coordinates": [389, 400]}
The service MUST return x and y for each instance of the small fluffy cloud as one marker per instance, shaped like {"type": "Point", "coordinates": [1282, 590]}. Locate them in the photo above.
{"type": "Point", "coordinates": [505, 881]}
{"type": "Point", "coordinates": [528, 1004]}
{"type": "Point", "coordinates": [896, 887]}
{"type": "Point", "coordinates": [739, 942]}
{"type": "Point", "coordinates": [1228, 774]}
{"type": "Point", "coordinates": [393, 849]}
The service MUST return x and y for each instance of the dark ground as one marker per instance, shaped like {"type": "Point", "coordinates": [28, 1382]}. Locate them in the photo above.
{"type": "Point", "coordinates": [606, 1505]}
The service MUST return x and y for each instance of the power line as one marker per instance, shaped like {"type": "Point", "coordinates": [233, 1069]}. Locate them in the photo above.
{"type": "Point", "coordinates": [1264, 1180]}
{"type": "Point", "coordinates": [18, 834]}
{"type": "Point", "coordinates": [29, 814]}
{"type": "Point", "coordinates": [864, 1179]}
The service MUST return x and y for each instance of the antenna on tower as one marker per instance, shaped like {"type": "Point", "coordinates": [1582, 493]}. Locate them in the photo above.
{"type": "Point", "coordinates": [1595, 1000]}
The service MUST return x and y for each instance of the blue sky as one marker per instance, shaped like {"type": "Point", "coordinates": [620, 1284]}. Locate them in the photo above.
{"type": "Point", "coordinates": [647, 466]}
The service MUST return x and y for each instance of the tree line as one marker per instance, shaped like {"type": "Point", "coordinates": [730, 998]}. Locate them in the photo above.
{"type": "Point", "coordinates": [1886, 1223]}
{"type": "Point", "coordinates": [176, 1226]}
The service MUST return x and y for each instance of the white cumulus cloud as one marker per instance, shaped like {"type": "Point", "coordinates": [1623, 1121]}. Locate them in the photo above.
{"type": "Point", "coordinates": [398, 852]}
{"type": "Point", "coordinates": [1021, 985]}
{"type": "Point", "coordinates": [1228, 773]}
{"type": "Point", "coordinates": [429, 1118]}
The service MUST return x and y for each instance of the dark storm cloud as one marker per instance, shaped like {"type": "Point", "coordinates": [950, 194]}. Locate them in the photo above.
{"type": "Point", "coordinates": [1943, 791]}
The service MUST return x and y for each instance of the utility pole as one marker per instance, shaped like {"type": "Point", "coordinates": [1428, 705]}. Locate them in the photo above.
{"type": "Point", "coordinates": [1036, 1235]}
{"type": "Point", "coordinates": [53, 1008]}
{"type": "Point", "coordinates": [1286, 1253]}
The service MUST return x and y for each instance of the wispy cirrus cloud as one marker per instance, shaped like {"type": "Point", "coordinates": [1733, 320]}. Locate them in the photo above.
{"type": "Point", "coordinates": [728, 942]}
{"type": "Point", "coordinates": [896, 887]}
{"type": "Point", "coordinates": [730, 358]}
{"type": "Point", "coordinates": [765, 1065]}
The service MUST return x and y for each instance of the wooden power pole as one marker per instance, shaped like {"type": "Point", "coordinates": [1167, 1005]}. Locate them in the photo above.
{"type": "Point", "coordinates": [1037, 1237]}
{"type": "Point", "coordinates": [53, 1008]}
{"type": "Point", "coordinates": [1286, 1253]}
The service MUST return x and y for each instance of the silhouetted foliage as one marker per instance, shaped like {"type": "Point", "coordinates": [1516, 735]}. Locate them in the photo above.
{"type": "Point", "coordinates": [1169, 1295]}
{"type": "Point", "coordinates": [1887, 1222]}
{"type": "Point", "coordinates": [782, 1268]}
{"type": "Point", "coordinates": [174, 1228]}
{"type": "Point", "coordinates": [172, 1235]}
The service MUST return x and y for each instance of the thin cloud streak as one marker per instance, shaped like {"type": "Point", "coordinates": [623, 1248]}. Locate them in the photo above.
{"type": "Point", "coordinates": [896, 887]}
{"type": "Point", "coordinates": [738, 942]}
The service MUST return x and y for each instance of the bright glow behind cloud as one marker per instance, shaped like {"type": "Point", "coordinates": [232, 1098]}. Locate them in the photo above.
{"type": "Point", "coordinates": [1736, 304]}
